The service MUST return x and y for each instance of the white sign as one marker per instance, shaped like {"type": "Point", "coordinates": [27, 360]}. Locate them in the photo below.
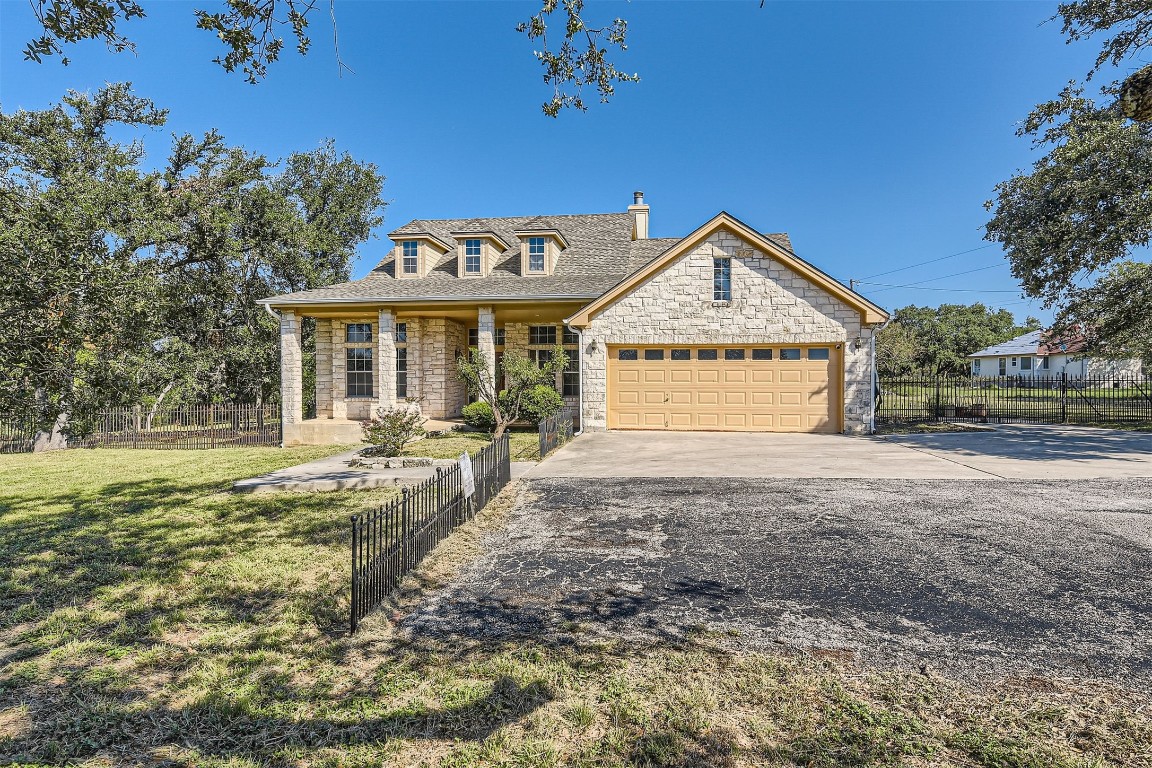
{"type": "Point", "coordinates": [467, 481]}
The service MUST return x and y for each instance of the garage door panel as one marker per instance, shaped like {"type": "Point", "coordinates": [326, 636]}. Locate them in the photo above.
{"type": "Point", "coordinates": [741, 395]}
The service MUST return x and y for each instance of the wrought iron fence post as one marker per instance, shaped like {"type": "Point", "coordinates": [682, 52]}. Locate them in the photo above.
{"type": "Point", "coordinates": [1064, 397]}
{"type": "Point", "coordinates": [355, 583]}
{"type": "Point", "coordinates": [404, 543]}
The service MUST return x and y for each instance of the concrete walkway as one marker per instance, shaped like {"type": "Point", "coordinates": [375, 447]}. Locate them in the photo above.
{"type": "Point", "coordinates": [333, 474]}
{"type": "Point", "coordinates": [1012, 451]}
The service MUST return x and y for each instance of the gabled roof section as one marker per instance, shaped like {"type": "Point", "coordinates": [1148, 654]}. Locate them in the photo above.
{"type": "Point", "coordinates": [771, 244]}
{"type": "Point", "coordinates": [481, 234]}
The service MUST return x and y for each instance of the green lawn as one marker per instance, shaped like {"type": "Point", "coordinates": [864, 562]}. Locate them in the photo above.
{"type": "Point", "coordinates": [147, 616]}
{"type": "Point", "coordinates": [524, 445]}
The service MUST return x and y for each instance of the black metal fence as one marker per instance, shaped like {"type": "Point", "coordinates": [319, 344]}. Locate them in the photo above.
{"type": "Point", "coordinates": [1057, 399]}
{"type": "Point", "coordinates": [556, 430]}
{"type": "Point", "coordinates": [183, 427]}
{"type": "Point", "coordinates": [391, 540]}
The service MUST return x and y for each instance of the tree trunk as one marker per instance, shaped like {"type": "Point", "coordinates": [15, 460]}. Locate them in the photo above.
{"type": "Point", "coordinates": [156, 405]}
{"type": "Point", "coordinates": [52, 441]}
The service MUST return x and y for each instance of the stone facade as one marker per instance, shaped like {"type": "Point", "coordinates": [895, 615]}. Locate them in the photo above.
{"type": "Point", "coordinates": [770, 305]}
{"type": "Point", "coordinates": [291, 369]}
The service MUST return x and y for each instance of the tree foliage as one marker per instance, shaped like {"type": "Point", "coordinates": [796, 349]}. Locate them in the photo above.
{"type": "Point", "coordinates": [251, 34]}
{"type": "Point", "coordinates": [135, 284]}
{"type": "Point", "coordinates": [1085, 206]}
{"type": "Point", "coordinates": [521, 376]}
{"type": "Point", "coordinates": [938, 340]}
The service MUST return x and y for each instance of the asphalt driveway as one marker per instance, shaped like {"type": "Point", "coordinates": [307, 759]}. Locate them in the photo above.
{"type": "Point", "coordinates": [1011, 451]}
{"type": "Point", "coordinates": [974, 579]}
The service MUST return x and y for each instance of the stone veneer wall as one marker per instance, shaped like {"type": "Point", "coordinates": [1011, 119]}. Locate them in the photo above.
{"type": "Point", "coordinates": [323, 341]}
{"type": "Point", "coordinates": [770, 305]}
{"type": "Point", "coordinates": [432, 357]}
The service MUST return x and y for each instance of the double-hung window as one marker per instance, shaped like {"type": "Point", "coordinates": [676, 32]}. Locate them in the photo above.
{"type": "Point", "coordinates": [471, 257]}
{"type": "Point", "coordinates": [535, 254]}
{"type": "Point", "coordinates": [359, 371]}
{"type": "Point", "coordinates": [358, 360]}
{"type": "Point", "coordinates": [722, 278]}
{"type": "Point", "coordinates": [411, 257]}
{"type": "Point", "coordinates": [401, 360]}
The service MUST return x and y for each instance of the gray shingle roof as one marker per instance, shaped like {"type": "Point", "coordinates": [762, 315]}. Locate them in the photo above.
{"type": "Point", "coordinates": [1026, 344]}
{"type": "Point", "coordinates": [599, 255]}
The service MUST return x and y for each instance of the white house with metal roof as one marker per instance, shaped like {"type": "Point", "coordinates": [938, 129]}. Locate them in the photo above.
{"type": "Point", "coordinates": [725, 328]}
{"type": "Point", "coordinates": [1036, 355]}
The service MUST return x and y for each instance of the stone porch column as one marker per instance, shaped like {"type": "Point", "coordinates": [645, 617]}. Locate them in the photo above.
{"type": "Point", "coordinates": [339, 364]}
{"type": "Point", "coordinates": [386, 360]}
{"type": "Point", "coordinates": [486, 340]}
{"type": "Point", "coordinates": [291, 369]}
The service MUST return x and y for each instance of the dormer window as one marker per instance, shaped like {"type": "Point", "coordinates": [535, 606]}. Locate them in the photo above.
{"type": "Point", "coordinates": [472, 257]}
{"type": "Point", "coordinates": [411, 257]}
{"type": "Point", "coordinates": [536, 247]}
{"type": "Point", "coordinates": [540, 248]}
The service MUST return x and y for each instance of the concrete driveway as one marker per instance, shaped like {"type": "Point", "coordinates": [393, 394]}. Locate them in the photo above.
{"type": "Point", "coordinates": [1009, 452]}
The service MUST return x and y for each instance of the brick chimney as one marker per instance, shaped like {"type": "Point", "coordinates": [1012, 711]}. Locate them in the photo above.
{"type": "Point", "coordinates": [639, 213]}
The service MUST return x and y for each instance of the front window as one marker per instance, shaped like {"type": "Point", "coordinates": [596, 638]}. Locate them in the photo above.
{"type": "Point", "coordinates": [401, 372]}
{"type": "Point", "coordinates": [498, 337]}
{"type": "Point", "coordinates": [976, 367]}
{"type": "Point", "coordinates": [411, 257]}
{"type": "Point", "coordinates": [1025, 363]}
{"type": "Point", "coordinates": [471, 257]}
{"type": "Point", "coordinates": [541, 357]}
{"type": "Point", "coordinates": [1043, 364]}
{"type": "Point", "coordinates": [473, 337]}
{"type": "Point", "coordinates": [535, 254]}
{"type": "Point", "coordinates": [1003, 365]}
{"type": "Point", "coordinates": [401, 333]}
{"type": "Point", "coordinates": [722, 279]}
{"type": "Point", "coordinates": [542, 334]}
{"type": "Point", "coordinates": [359, 371]}
{"type": "Point", "coordinates": [358, 333]}
{"type": "Point", "coordinates": [572, 373]}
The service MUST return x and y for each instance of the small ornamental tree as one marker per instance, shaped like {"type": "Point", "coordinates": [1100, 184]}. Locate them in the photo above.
{"type": "Point", "coordinates": [520, 374]}
{"type": "Point", "coordinates": [394, 428]}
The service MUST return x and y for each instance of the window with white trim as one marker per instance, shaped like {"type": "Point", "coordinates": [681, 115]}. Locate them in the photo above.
{"type": "Point", "coordinates": [411, 257]}
{"type": "Point", "coordinates": [472, 257]}
{"type": "Point", "coordinates": [721, 278]}
{"type": "Point", "coordinates": [401, 360]}
{"type": "Point", "coordinates": [536, 254]}
{"type": "Point", "coordinates": [359, 371]}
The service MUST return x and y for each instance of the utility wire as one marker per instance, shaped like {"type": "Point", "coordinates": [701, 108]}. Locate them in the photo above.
{"type": "Point", "coordinates": [930, 261]}
{"type": "Point", "coordinates": [934, 279]}
{"type": "Point", "coordinates": [955, 290]}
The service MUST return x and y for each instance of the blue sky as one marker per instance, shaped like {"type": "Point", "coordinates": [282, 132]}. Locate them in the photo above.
{"type": "Point", "coordinates": [872, 132]}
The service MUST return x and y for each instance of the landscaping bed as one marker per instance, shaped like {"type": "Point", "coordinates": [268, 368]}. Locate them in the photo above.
{"type": "Point", "coordinates": [524, 445]}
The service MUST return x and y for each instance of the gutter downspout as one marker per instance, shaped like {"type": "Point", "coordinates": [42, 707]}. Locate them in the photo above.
{"type": "Point", "coordinates": [875, 376]}
{"type": "Point", "coordinates": [276, 316]}
{"type": "Point", "coordinates": [580, 381]}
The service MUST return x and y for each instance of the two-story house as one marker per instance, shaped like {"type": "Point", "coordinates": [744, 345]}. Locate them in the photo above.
{"type": "Point", "coordinates": [722, 329]}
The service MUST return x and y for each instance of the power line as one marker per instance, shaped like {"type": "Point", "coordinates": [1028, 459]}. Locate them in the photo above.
{"type": "Point", "coordinates": [955, 290]}
{"type": "Point", "coordinates": [934, 279]}
{"type": "Point", "coordinates": [930, 261]}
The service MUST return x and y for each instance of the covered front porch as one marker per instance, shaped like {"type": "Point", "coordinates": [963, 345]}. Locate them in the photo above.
{"type": "Point", "coordinates": [369, 357]}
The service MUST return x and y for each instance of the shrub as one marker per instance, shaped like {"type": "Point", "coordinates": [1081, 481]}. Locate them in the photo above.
{"type": "Point", "coordinates": [478, 415]}
{"type": "Point", "coordinates": [541, 402]}
{"type": "Point", "coordinates": [393, 428]}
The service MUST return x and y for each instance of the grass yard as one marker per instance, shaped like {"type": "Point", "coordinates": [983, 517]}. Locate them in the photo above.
{"type": "Point", "coordinates": [524, 445]}
{"type": "Point", "coordinates": [147, 616]}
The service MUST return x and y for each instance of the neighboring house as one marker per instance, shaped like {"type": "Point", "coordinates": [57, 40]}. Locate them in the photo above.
{"type": "Point", "coordinates": [724, 329]}
{"type": "Point", "coordinates": [1035, 354]}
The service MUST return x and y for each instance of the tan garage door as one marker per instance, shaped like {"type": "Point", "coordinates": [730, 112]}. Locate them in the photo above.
{"type": "Point", "coordinates": [743, 389]}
